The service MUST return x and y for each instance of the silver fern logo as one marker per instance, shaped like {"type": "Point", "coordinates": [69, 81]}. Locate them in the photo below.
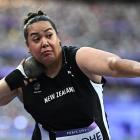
{"type": "Point", "coordinates": [37, 88]}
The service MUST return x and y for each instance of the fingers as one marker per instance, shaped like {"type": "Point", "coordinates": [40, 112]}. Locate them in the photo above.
{"type": "Point", "coordinates": [27, 81]}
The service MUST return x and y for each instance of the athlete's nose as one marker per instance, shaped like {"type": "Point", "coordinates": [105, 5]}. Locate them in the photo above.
{"type": "Point", "coordinates": [44, 43]}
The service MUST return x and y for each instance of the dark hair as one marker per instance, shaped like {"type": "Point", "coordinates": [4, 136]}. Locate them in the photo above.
{"type": "Point", "coordinates": [35, 17]}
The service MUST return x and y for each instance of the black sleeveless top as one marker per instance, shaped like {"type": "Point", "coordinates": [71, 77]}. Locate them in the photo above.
{"type": "Point", "coordinates": [66, 101]}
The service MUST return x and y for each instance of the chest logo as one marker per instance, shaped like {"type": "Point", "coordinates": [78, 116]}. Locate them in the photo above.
{"type": "Point", "coordinates": [37, 88]}
{"type": "Point", "coordinates": [59, 94]}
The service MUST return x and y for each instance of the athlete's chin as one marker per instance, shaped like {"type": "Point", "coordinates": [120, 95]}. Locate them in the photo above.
{"type": "Point", "coordinates": [48, 61]}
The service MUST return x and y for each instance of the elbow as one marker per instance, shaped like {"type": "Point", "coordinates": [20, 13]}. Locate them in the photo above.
{"type": "Point", "coordinates": [113, 62]}
{"type": "Point", "coordinates": [2, 103]}
{"type": "Point", "coordinates": [5, 100]}
{"type": "Point", "coordinates": [113, 65]}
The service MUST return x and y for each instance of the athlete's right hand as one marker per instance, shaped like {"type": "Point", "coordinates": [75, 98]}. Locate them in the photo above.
{"type": "Point", "coordinates": [27, 70]}
{"type": "Point", "coordinates": [31, 68]}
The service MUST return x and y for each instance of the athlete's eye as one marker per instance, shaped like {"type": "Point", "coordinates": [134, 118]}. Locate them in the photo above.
{"type": "Point", "coordinates": [49, 35]}
{"type": "Point", "coordinates": [36, 38]}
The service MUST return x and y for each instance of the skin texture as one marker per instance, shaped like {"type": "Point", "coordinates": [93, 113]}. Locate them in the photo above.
{"type": "Point", "coordinates": [44, 44]}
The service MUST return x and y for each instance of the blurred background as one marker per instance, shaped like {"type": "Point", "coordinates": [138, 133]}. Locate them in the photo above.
{"type": "Point", "coordinates": [110, 26]}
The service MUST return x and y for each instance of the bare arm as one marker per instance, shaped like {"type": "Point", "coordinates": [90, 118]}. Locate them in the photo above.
{"type": "Point", "coordinates": [95, 62]}
{"type": "Point", "coordinates": [6, 95]}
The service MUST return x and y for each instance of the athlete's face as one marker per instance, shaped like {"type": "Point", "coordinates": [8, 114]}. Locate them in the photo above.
{"type": "Point", "coordinates": [43, 42]}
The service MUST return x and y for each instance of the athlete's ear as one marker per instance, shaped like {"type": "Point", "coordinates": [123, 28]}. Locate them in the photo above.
{"type": "Point", "coordinates": [59, 39]}
{"type": "Point", "coordinates": [60, 43]}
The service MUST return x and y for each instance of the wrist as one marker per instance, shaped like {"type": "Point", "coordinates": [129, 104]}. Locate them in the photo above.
{"type": "Point", "coordinates": [15, 79]}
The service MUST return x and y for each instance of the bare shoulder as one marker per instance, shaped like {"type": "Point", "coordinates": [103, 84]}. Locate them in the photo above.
{"type": "Point", "coordinates": [82, 57]}
{"type": "Point", "coordinates": [87, 56]}
{"type": "Point", "coordinates": [87, 51]}
{"type": "Point", "coordinates": [95, 62]}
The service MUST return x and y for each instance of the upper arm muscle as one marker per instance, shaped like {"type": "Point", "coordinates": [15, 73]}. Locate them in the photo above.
{"type": "Point", "coordinates": [95, 62]}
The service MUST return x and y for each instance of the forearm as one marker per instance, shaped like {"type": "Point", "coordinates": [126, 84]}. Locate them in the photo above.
{"type": "Point", "coordinates": [9, 86]}
{"type": "Point", "coordinates": [4, 88]}
{"type": "Point", "coordinates": [125, 67]}
{"type": "Point", "coordinates": [6, 98]}
{"type": "Point", "coordinates": [6, 95]}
